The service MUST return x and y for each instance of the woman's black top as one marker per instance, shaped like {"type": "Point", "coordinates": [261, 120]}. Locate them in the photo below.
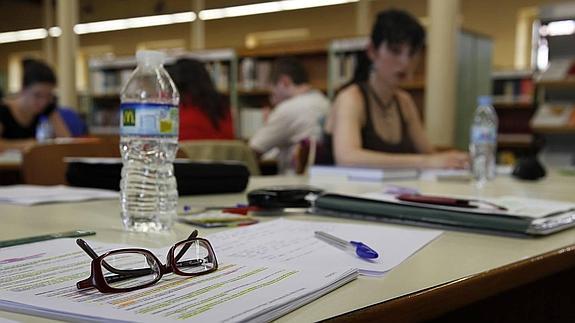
{"type": "Point", "coordinates": [11, 129]}
{"type": "Point", "coordinates": [370, 140]}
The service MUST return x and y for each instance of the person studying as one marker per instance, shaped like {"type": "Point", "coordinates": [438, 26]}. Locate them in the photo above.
{"type": "Point", "coordinates": [297, 114]}
{"type": "Point", "coordinates": [21, 114]}
{"type": "Point", "coordinates": [373, 123]}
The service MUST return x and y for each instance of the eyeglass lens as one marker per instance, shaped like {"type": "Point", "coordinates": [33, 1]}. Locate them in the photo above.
{"type": "Point", "coordinates": [195, 257]}
{"type": "Point", "coordinates": [129, 269]}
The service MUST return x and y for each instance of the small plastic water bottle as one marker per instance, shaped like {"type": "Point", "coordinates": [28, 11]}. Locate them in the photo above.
{"type": "Point", "coordinates": [483, 141]}
{"type": "Point", "coordinates": [148, 145]}
{"type": "Point", "coordinates": [44, 129]}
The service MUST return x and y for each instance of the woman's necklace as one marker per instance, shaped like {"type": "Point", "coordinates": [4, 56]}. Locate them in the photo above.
{"type": "Point", "coordinates": [385, 107]}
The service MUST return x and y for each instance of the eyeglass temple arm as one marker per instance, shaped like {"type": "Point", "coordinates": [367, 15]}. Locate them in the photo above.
{"type": "Point", "coordinates": [84, 245]}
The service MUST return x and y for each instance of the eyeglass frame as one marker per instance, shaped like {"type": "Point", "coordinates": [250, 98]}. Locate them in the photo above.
{"type": "Point", "coordinates": [98, 280]}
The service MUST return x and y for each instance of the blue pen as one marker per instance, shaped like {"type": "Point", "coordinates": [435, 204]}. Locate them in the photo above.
{"type": "Point", "coordinates": [355, 247]}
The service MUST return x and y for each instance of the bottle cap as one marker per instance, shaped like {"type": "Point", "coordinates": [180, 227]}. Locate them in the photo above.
{"type": "Point", "coordinates": [484, 100]}
{"type": "Point", "coordinates": [150, 57]}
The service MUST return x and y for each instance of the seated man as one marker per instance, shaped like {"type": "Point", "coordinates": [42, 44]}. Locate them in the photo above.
{"type": "Point", "coordinates": [298, 112]}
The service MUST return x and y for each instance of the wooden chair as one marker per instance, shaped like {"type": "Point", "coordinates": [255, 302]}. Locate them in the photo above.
{"type": "Point", "coordinates": [221, 150]}
{"type": "Point", "coordinates": [304, 155]}
{"type": "Point", "coordinates": [44, 164]}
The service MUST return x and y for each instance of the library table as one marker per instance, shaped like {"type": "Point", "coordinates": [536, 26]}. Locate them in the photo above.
{"type": "Point", "coordinates": [458, 277]}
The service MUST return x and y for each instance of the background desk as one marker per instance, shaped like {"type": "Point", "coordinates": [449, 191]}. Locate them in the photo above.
{"type": "Point", "coordinates": [452, 272]}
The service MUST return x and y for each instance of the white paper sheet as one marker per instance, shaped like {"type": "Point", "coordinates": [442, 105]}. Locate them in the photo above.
{"type": "Point", "coordinates": [35, 194]}
{"type": "Point", "coordinates": [40, 279]}
{"type": "Point", "coordinates": [288, 242]}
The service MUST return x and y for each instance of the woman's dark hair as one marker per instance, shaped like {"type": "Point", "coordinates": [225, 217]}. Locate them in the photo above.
{"type": "Point", "coordinates": [196, 88]}
{"type": "Point", "coordinates": [393, 27]}
{"type": "Point", "coordinates": [36, 71]}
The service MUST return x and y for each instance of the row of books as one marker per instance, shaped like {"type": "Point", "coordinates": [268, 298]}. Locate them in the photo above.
{"type": "Point", "coordinates": [554, 115]}
{"type": "Point", "coordinates": [254, 74]}
{"type": "Point", "coordinates": [343, 67]}
{"type": "Point", "coordinates": [110, 81]}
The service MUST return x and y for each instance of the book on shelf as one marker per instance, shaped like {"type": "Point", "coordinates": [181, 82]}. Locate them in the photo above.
{"type": "Point", "coordinates": [255, 73]}
{"type": "Point", "coordinates": [558, 69]}
{"type": "Point", "coordinates": [343, 68]}
{"type": "Point", "coordinates": [513, 87]}
{"type": "Point", "coordinates": [251, 119]}
{"type": "Point", "coordinates": [554, 115]}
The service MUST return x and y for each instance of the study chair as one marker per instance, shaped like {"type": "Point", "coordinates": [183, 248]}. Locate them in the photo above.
{"type": "Point", "coordinates": [221, 150]}
{"type": "Point", "coordinates": [44, 163]}
{"type": "Point", "coordinates": [304, 155]}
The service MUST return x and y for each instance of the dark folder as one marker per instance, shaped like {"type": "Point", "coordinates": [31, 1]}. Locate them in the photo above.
{"type": "Point", "coordinates": [456, 218]}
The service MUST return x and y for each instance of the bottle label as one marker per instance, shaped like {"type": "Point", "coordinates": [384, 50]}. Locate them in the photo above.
{"type": "Point", "coordinates": [483, 135]}
{"type": "Point", "coordinates": [149, 119]}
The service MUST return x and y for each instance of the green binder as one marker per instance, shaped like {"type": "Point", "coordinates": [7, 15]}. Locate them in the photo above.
{"type": "Point", "coordinates": [444, 217]}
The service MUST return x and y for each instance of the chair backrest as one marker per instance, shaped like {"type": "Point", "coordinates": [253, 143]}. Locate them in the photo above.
{"type": "Point", "coordinates": [44, 164]}
{"type": "Point", "coordinates": [304, 155]}
{"type": "Point", "coordinates": [220, 150]}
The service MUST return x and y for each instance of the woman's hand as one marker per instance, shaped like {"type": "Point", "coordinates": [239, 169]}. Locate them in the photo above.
{"type": "Point", "coordinates": [448, 159]}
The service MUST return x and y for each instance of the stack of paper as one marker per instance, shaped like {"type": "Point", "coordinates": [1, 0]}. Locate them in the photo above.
{"type": "Point", "coordinates": [362, 174]}
{"type": "Point", "coordinates": [32, 194]}
{"type": "Point", "coordinates": [40, 279]}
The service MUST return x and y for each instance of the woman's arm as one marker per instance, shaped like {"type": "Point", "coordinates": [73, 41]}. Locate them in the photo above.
{"type": "Point", "coordinates": [60, 127]}
{"type": "Point", "coordinates": [415, 126]}
{"type": "Point", "coordinates": [348, 119]}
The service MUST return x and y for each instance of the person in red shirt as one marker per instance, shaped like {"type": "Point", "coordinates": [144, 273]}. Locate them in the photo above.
{"type": "Point", "coordinates": [204, 113]}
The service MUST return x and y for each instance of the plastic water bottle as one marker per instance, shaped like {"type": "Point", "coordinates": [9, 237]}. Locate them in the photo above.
{"type": "Point", "coordinates": [483, 141]}
{"type": "Point", "coordinates": [148, 144]}
{"type": "Point", "coordinates": [44, 129]}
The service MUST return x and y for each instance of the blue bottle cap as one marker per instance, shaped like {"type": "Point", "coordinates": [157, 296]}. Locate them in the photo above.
{"type": "Point", "coordinates": [484, 100]}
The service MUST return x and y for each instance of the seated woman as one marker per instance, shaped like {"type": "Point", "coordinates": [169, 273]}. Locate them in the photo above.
{"type": "Point", "coordinates": [204, 113]}
{"type": "Point", "coordinates": [373, 123]}
{"type": "Point", "coordinates": [20, 115]}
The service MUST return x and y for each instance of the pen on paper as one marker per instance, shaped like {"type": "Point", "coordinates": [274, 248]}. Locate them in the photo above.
{"type": "Point", "coordinates": [69, 234]}
{"type": "Point", "coordinates": [355, 247]}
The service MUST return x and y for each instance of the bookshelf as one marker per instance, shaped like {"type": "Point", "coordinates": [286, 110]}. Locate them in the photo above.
{"type": "Point", "coordinates": [513, 94]}
{"type": "Point", "coordinates": [556, 99]}
{"type": "Point", "coordinates": [107, 76]}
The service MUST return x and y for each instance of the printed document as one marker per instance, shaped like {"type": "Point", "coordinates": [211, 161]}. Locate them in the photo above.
{"type": "Point", "coordinates": [289, 243]}
{"type": "Point", "coordinates": [40, 279]}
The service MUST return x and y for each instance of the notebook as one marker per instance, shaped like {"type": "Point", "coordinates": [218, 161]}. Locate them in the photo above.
{"type": "Point", "coordinates": [523, 216]}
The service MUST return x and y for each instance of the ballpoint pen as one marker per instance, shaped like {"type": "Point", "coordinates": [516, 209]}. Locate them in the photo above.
{"type": "Point", "coordinates": [355, 247]}
{"type": "Point", "coordinates": [69, 234]}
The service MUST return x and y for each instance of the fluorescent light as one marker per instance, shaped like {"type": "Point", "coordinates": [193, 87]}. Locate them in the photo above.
{"type": "Point", "coordinates": [137, 22]}
{"type": "Point", "coordinates": [55, 31]}
{"type": "Point", "coordinates": [266, 7]}
{"type": "Point", "coordinates": [22, 35]}
{"type": "Point", "coordinates": [302, 4]}
{"type": "Point", "coordinates": [561, 28]}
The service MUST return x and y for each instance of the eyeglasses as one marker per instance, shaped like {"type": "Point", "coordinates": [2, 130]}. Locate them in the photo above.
{"type": "Point", "coordinates": [129, 269]}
